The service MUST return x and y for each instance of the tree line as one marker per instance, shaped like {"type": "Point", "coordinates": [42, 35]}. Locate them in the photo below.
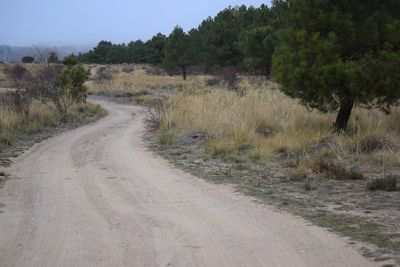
{"type": "Point", "coordinates": [228, 39]}
{"type": "Point", "coordinates": [329, 54]}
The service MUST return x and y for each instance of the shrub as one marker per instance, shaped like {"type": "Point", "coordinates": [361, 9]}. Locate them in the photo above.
{"type": "Point", "coordinates": [227, 75]}
{"type": "Point", "coordinates": [27, 59]}
{"type": "Point", "coordinates": [157, 115]}
{"type": "Point", "coordinates": [372, 143]}
{"type": "Point", "coordinates": [298, 174]}
{"type": "Point", "coordinates": [155, 71]}
{"type": "Point", "coordinates": [103, 73]}
{"type": "Point", "coordinates": [70, 60]}
{"type": "Point", "coordinates": [388, 183]}
{"type": "Point", "coordinates": [333, 170]}
{"type": "Point", "coordinates": [72, 81]}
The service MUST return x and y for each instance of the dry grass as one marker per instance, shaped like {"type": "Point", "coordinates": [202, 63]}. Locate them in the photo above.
{"type": "Point", "coordinates": [263, 121]}
{"type": "Point", "coordinates": [40, 116]}
{"type": "Point", "coordinates": [140, 79]}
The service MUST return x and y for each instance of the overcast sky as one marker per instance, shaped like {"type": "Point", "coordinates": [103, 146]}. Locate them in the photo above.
{"type": "Point", "coordinates": [85, 22]}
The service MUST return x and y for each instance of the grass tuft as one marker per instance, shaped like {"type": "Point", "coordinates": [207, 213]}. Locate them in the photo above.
{"type": "Point", "coordinates": [388, 183]}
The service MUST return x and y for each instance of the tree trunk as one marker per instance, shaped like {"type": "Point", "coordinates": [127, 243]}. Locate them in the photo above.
{"type": "Point", "coordinates": [184, 73]}
{"type": "Point", "coordinates": [346, 106]}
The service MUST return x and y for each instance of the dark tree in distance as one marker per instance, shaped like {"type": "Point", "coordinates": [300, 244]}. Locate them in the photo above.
{"type": "Point", "coordinates": [27, 59]}
{"type": "Point", "coordinates": [53, 57]}
{"type": "Point", "coordinates": [177, 57]}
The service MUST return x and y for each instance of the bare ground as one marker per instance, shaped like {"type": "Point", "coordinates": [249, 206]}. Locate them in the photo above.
{"type": "Point", "coordinates": [368, 218]}
{"type": "Point", "coordinates": [96, 196]}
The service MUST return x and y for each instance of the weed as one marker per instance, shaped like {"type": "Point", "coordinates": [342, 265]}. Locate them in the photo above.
{"type": "Point", "coordinates": [387, 183]}
{"type": "Point", "coordinates": [219, 148]}
{"type": "Point", "coordinates": [166, 137]}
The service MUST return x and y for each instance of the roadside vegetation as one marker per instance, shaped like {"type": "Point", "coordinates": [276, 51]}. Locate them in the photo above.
{"type": "Point", "coordinates": [297, 104]}
{"type": "Point", "coordinates": [263, 122]}
{"type": "Point", "coordinates": [41, 117]}
{"type": "Point", "coordinates": [42, 96]}
{"type": "Point", "coordinates": [139, 83]}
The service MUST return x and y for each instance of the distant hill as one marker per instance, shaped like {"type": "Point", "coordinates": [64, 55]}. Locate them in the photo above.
{"type": "Point", "coordinates": [15, 53]}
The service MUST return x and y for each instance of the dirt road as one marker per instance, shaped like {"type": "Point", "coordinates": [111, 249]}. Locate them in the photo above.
{"type": "Point", "coordinates": [95, 196]}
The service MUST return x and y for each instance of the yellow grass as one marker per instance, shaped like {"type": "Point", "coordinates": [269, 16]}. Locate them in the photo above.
{"type": "Point", "coordinates": [40, 116]}
{"type": "Point", "coordinates": [139, 80]}
{"type": "Point", "coordinates": [264, 120]}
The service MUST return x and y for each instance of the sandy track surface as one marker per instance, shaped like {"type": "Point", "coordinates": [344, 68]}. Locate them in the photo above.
{"type": "Point", "coordinates": [95, 196]}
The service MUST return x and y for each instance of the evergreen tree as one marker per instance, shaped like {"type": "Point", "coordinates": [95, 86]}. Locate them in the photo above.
{"type": "Point", "coordinates": [177, 54]}
{"type": "Point", "coordinates": [333, 54]}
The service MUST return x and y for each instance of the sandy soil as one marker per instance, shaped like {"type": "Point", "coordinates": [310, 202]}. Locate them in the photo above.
{"type": "Point", "coordinates": [95, 196]}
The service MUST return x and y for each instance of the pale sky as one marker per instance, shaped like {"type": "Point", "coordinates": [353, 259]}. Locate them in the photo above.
{"type": "Point", "coordinates": [86, 22]}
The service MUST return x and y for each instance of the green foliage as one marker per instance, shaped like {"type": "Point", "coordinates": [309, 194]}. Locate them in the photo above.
{"type": "Point", "coordinates": [27, 59]}
{"type": "Point", "coordinates": [70, 60]}
{"type": "Point", "coordinates": [105, 52]}
{"type": "Point", "coordinates": [217, 42]}
{"type": "Point", "coordinates": [155, 49]}
{"type": "Point", "coordinates": [335, 53]}
{"type": "Point", "coordinates": [176, 53]}
{"type": "Point", "coordinates": [257, 46]}
{"type": "Point", "coordinates": [329, 54]}
{"type": "Point", "coordinates": [72, 81]}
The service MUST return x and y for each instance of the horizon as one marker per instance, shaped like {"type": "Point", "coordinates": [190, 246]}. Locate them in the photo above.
{"type": "Point", "coordinates": [40, 23]}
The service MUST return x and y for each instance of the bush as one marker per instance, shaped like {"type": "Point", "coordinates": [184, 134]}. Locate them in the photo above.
{"type": "Point", "coordinates": [333, 170]}
{"type": "Point", "coordinates": [157, 115]}
{"type": "Point", "coordinates": [298, 174]}
{"type": "Point", "coordinates": [17, 101]}
{"type": "Point", "coordinates": [70, 60]}
{"type": "Point", "coordinates": [374, 142]}
{"type": "Point", "coordinates": [388, 183]}
{"type": "Point", "coordinates": [227, 75]}
{"type": "Point", "coordinates": [127, 68]}
{"type": "Point", "coordinates": [27, 59]}
{"type": "Point", "coordinates": [72, 80]}
{"type": "Point", "coordinates": [103, 73]}
{"type": "Point", "coordinates": [155, 71]}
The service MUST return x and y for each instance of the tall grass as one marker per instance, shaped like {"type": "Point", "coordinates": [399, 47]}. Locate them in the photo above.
{"type": "Point", "coordinates": [262, 120]}
{"type": "Point", "coordinates": [40, 116]}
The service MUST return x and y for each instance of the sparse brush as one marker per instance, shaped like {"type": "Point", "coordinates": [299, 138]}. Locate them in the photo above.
{"type": "Point", "coordinates": [40, 116]}
{"type": "Point", "coordinates": [387, 183]}
{"type": "Point", "coordinates": [333, 170]}
{"type": "Point", "coordinates": [166, 137]}
{"type": "Point", "coordinates": [298, 174]}
{"type": "Point", "coordinates": [156, 117]}
{"type": "Point", "coordinates": [219, 148]}
{"type": "Point", "coordinates": [114, 79]}
{"type": "Point", "coordinates": [374, 142]}
{"type": "Point", "coordinates": [262, 120]}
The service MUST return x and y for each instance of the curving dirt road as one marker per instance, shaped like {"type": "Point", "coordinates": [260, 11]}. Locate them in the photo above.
{"type": "Point", "coordinates": [95, 196]}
